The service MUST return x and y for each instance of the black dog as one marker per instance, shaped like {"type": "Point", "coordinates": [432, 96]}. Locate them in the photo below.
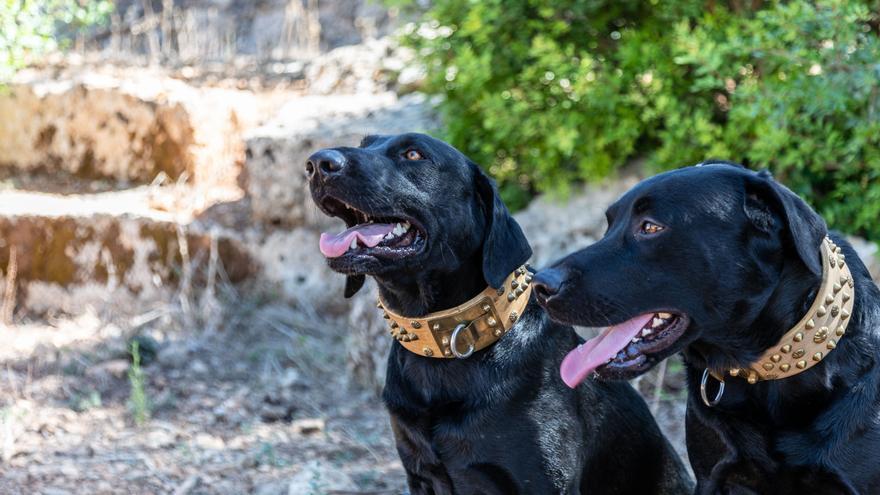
{"type": "Point", "coordinates": [500, 421]}
{"type": "Point", "coordinates": [721, 262]}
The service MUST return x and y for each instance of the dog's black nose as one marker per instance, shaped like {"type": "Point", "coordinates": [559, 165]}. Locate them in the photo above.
{"type": "Point", "coordinates": [546, 284]}
{"type": "Point", "coordinates": [325, 162]}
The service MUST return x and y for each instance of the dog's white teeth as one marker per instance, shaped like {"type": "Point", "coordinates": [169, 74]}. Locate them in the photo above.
{"type": "Point", "coordinates": [657, 322]}
{"type": "Point", "coordinates": [646, 332]}
{"type": "Point", "coordinates": [665, 316]}
{"type": "Point", "coordinates": [354, 243]}
{"type": "Point", "coordinates": [389, 236]}
{"type": "Point", "coordinates": [635, 340]}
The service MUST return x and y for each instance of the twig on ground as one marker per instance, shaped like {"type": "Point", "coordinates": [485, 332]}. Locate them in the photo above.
{"type": "Point", "coordinates": [658, 387]}
{"type": "Point", "coordinates": [10, 292]}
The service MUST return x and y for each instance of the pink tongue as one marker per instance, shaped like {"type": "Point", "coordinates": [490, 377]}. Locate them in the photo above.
{"type": "Point", "coordinates": [579, 363]}
{"type": "Point", "coordinates": [370, 234]}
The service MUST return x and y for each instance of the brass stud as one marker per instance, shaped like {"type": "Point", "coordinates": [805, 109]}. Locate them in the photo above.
{"type": "Point", "coordinates": [775, 358]}
{"type": "Point", "coordinates": [511, 297]}
{"type": "Point", "coordinates": [444, 341]}
{"type": "Point", "coordinates": [513, 316]}
{"type": "Point", "coordinates": [837, 287]}
{"type": "Point", "coordinates": [845, 296]}
{"type": "Point", "coordinates": [514, 284]}
{"type": "Point", "coordinates": [528, 279]}
{"type": "Point", "coordinates": [768, 366]}
{"type": "Point", "coordinates": [447, 353]}
{"type": "Point", "coordinates": [402, 331]}
{"type": "Point", "coordinates": [487, 308]}
{"type": "Point", "coordinates": [500, 291]}
{"type": "Point", "coordinates": [844, 314]}
{"type": "Point", "coordinates": [833, 262]}
{"type": "Point", "coordinates": [413, 336]}
{"type": "Point", "coordinates": [817, 356]}
{"type": "Point", "coordinates": [416, 324]}
{"type": "Point", "coordinates": [786, 348]}
{"type": "Point", "coordinates": [436, 327]}
{"type": "Point", "coordinates": [394, 324]}
{"type": "Point", "coordinates": [841, 257]}
{"type": "Point", "coordinates": [427, 351]}
{"type": "Point", "coordinates": [850, 283]}
{"type": "Point", "coordinates": [497, 332]}
{"type": "Point", "coordinates": [835, 310]}
{"type": "Point", "coordinates": [810, 324]}
{"type": "Point", "coordinates": [519, 291]}
{"type": "Point", "coordinates": [843, 279]}
{"type": "Point", "coordinates": [798, 353]}
{"type": "Point", "coordinates": [821, 335]}
{"type": "Point", "coordinates": [386, 316]}
{"type": "Point", "coordinates": [821, 311]}
{"type": "Point", "coordinates": [734, 371]}
{"type": "Point", "coordinates": [798, 337]}
{"type": "Point", "coordinates": [829, 299]}
{"type": "Point", "coordinates": [379, 304]}
{"type": "Point", "coordinates": [801, 364]}
{"type": "Point", "coordinates": [831, 344]}
{"type": "Point", "coordinates": [840, 331]}
{"type": "Point", "coordinates": [784, 367]}
{"type": "Point", "coordinates": [753, 378]}
{"type": "Point", "coordinates": [491, 321]}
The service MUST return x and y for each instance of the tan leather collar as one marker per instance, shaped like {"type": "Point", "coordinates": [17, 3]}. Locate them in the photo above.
{"type": "Point", "coordinates": [468, 327]}
{"type": "Point", "coordinates": [818, 332]}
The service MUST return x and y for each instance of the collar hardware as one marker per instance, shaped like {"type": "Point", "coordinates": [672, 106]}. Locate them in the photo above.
{"type": "Point", "coordinates": [818, 332]}
{"type": "Point", "coordinates": [469, 327]}
{"type": "Point", "coordinates": [703, 386]}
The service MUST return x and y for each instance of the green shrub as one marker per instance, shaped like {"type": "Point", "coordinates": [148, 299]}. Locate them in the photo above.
{"type": "Point", "coordinates": [550, 93]}
{"type": "Point", "coordinates": [29, 28]}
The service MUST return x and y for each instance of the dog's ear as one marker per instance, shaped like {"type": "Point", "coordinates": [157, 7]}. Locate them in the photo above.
{"type": "Point", "coordinates": [767, 200]}
{"type": "Point", "coordinates": [505, 247]}
{"type": "Point", "coordinates": [353, 283]}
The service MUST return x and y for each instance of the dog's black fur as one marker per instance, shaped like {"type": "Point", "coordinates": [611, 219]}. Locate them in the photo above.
{"type": "Point", "coordinates": [739, 256]}
{"type": "Point", "coordinates": [501, 421]}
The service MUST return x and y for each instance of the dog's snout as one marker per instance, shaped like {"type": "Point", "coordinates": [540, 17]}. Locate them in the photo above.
{"type": "Point", "coordinates": [325, 163]}
{"type": "Point", "coordinates": [546, 284]}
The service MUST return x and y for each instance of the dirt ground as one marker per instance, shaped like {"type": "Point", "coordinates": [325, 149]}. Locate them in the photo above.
{"type": "Point", "coordinates": [259, 405]}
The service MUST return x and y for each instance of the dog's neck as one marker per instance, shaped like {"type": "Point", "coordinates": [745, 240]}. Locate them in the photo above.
{"type": "Point", "coordinates": [420, 293]}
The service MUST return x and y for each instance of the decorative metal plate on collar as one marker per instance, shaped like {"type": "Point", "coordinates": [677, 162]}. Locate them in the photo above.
{"type": "Point", "coordinates": [468, 327]}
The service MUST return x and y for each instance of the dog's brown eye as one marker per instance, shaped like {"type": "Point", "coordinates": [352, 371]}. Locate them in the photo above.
{"type": "Point", "coordinates": [413, 155]}
{"type": "Point", "coordinates": [650, 227]}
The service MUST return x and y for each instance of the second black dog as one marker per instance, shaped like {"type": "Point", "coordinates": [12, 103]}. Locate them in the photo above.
{"type": "Point", "coordinates": [429, 227]}
{"type": "Point", "coordinates": [725, 264]}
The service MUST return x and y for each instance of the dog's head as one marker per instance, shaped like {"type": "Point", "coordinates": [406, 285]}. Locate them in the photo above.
{"type": "Point", "coordinates": [413, 204]}
{"type": "Point", "coordinates": [689, 255]}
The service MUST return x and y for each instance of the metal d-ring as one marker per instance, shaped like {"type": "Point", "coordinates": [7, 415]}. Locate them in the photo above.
{"type": "Point", "coordinates": [714, 402]}
{"type": "Point", "coordinates": [453, 340]}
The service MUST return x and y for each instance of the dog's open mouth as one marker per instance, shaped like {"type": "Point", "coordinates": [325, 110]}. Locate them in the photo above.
{"type": "Point", "coordinates": [625, 348]}
{"type": "Point", "coordinates": [371, 235]}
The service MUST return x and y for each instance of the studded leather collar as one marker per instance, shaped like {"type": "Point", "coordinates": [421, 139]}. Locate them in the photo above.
{"type": "Point", "coordinates": [468, 327]}
{"type": "Point", "coordinates": [818, 332]}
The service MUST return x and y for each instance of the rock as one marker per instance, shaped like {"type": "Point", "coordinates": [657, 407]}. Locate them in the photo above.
{"type": "Point", "coordinates": [374, 66]}
{"type": "Point", "coordinates": [276, 153]}
{"type": "Point", "coordinates": [318, 477]}
{"type": "Point", "coordinates": [209, 442]}
{"type": "Point", "coordinates": [75, 251]}
{"type": "Point", "coordinates": [130, 129]}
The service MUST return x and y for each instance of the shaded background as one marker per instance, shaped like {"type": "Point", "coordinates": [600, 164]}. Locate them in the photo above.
{"type": "Point", "coordinates": [169, 325]}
